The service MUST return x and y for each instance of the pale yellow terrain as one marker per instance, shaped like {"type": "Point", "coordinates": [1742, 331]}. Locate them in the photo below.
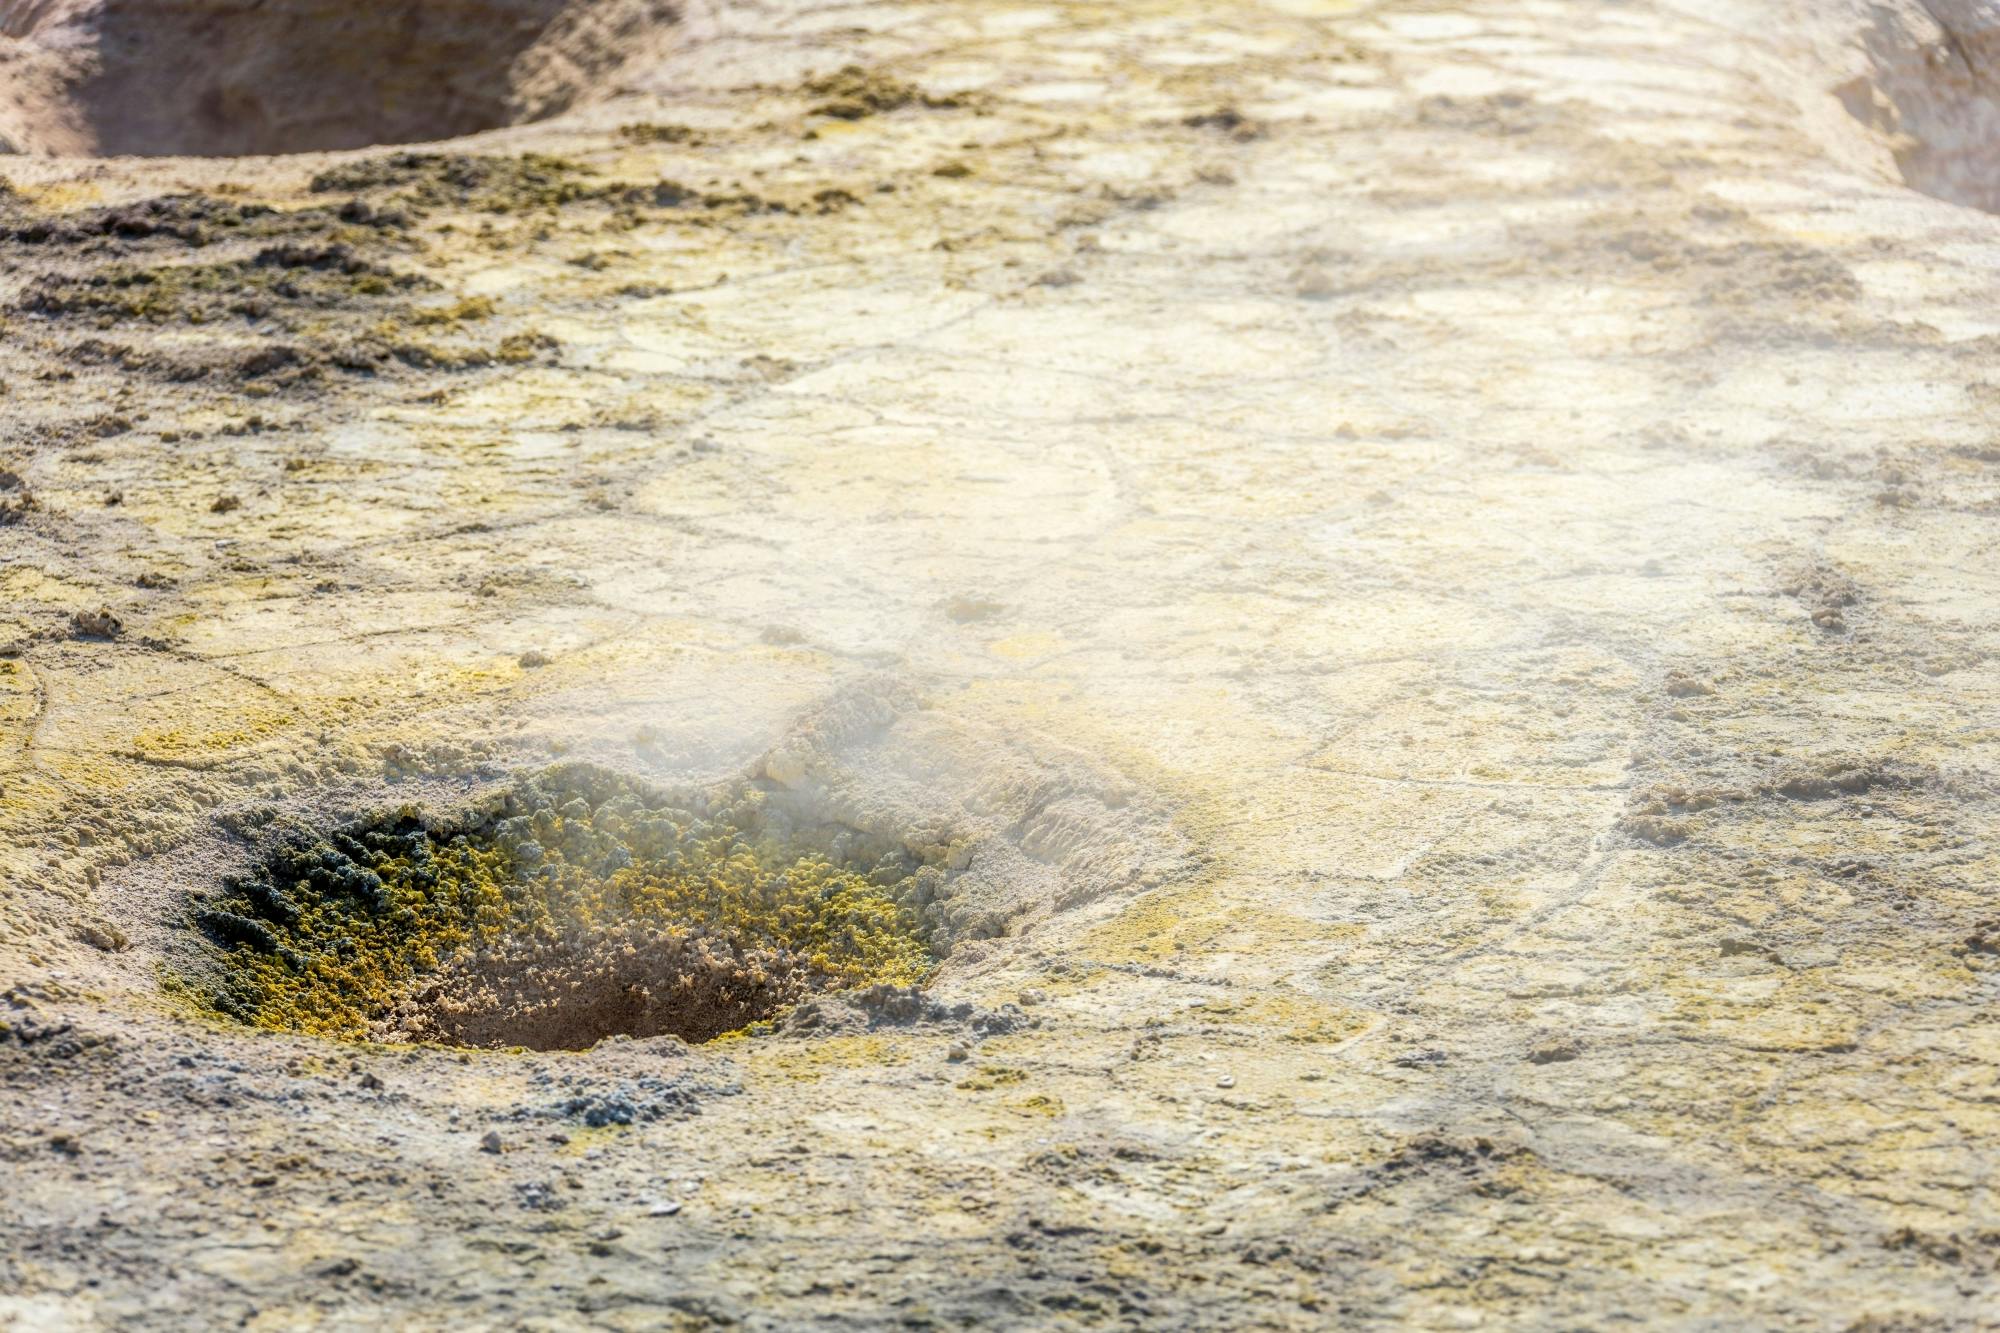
{"type": "Point", "coordinates": [1435, 565]}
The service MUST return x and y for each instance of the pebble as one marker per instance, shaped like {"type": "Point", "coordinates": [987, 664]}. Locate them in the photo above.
{"type": "Point", "coordinates": [666, 1209]}
{"type": "Point", "coordinates": [98, 624]}
{"type": "Point", "coordinates": [1226, 1081]}
{"type": "Point", "coordinates": [491, 1142]}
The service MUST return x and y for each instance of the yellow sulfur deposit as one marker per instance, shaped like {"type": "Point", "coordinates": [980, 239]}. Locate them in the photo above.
{"type": "Point", "coordinates": [330, 935]}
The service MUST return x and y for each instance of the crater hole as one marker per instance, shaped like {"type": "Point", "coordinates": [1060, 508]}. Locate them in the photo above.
{"type": "Point", "coordinates": [573, 906]}
{"type": "Point", "coordinates": [222, 78]}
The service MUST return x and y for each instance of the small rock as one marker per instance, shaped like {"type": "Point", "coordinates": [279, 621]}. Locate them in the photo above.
{"type": "Point", "coordinates": [1737, 947]}
{"type": "Point", "coordinates": [787, 765]}
{"type": "Point", "coordinates": [98, 624]}
{"type": "Point", "coordinates": [103, 935]}
{"type": "Point", "coordinates": [1984, 939]}
{"type": "Point", "coordinates": [958, 1052]}
{"type": "Point", "coordinates": [225, 504]}
{"type": "Point", "coordinates": [539, 1197]}
{"type": "Point", "coordinates": [491, 1142]}
{"type": "Point", "coordinates": [1681, 685]}
{"type": "Point", "coordinates": [534, 657]}
{"type": "Point", "coordinates": [1034, 995]}
{"type": "Point", "coordinates": [1226, 1081]}
{"type": "Point", "coordinates": [1226, 119]}
{"type": "Point", "coordinates": [665, 1209]}
{"type": "Point", "coordinates": [371, 1083]}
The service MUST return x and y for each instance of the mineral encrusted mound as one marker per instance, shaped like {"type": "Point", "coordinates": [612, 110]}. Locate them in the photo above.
{"type": "Point", "coordinates": [218, 78]}
{"type": "Point", "coordinates": [1932, 91]}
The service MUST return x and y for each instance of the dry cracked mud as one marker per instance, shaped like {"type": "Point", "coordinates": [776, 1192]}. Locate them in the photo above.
{"type": "Point", "coordinates": [1269, 664]}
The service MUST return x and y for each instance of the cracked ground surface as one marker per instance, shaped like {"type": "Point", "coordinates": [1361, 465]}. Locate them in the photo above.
{"type": "Point", "coordinates": [1447, 550]}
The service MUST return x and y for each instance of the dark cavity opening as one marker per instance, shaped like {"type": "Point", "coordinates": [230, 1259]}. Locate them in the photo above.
{"type": "Point", "coordinates": [223, 78]}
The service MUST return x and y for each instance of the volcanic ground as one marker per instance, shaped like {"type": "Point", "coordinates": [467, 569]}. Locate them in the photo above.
{"type": "Point", "coordinates": [1258, 664]}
